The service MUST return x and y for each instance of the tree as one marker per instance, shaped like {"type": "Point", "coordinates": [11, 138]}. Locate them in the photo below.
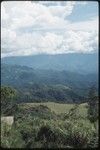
{"type": "Point", "coordinates": [8, 96]}
{"type": "Point", "coordinates": [92, 105]}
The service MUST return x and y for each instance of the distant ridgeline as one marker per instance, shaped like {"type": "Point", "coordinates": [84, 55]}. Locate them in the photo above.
{"type": "Point", "coordinates": [75, 62]}
{"type": "Point", "coordinates": [47, 85]}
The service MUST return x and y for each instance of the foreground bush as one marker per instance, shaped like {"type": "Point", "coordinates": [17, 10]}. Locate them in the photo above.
{"type": "Point", "coordinates": [11, 137]}
{"type": "Point", "coordinates": [80, 133]}
{"type": "Point", "coordinates": [39, 131]}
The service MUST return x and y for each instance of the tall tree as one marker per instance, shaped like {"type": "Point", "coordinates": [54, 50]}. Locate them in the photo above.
{"type": "Point", "coordinates": [92, 105]}
{"type": "Point", "coordinates": [8, 96]}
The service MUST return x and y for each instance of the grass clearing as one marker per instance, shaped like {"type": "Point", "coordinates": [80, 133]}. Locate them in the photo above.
{"type": "Point", "coordinates": [59, 108]}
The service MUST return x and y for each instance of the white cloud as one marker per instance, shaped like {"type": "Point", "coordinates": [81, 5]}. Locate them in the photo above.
{"type": "Point", "coordinates": [41, 27]}
{"type": "Point", "coordinates": [62, 11]}
{"type": "Point", "coordinates": [89, 25]}
{"type": "Point", "coordinates": [4, 15]}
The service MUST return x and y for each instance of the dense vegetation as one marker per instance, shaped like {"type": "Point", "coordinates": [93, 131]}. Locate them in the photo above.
{"type": "Point", "coordinates": [8, 100]}
{"type": "Point", "coordinates": [37, 126]}
{"type": "Point", "coordinates": [47, 85]}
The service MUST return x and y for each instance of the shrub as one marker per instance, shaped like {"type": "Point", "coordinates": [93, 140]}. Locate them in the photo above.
{"type": "Point", "coordinates": [80, 133]}
{"type": "Point", "coordinates": [11, 137]}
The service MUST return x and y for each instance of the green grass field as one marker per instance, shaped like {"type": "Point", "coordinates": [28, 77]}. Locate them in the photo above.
{"type": "Point", "coordinates": [59, 108]}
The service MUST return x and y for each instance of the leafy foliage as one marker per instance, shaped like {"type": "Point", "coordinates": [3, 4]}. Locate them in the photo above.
{"type": "Point", "coordinates": [93, 105]}
{"type": "Point", "coordinates": [39, 127]}
{"type": "Point", "coordinates": [11, 137]}
{"type": "Point", "coordinates": [8, 96]}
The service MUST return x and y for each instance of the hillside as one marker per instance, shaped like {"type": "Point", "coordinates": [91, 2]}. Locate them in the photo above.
{"type": "Point", "coordinates": [75, 62]}
{"type": "Point", "coordinates": [45, 85]}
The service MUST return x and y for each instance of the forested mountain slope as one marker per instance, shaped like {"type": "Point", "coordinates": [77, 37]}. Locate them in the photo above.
{"type": "Point", "coordinates": [47, 84]}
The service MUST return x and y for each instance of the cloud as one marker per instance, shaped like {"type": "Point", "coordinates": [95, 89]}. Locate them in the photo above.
{"type": "Point", "coordinates": [4, 15]}
{"type": "Point", "coordinates": [29, 28]}
{"type": "Point", "coordinates": [89, 25]}
{"type": "Point", "coordinates": [62, 11]}
{"type": "Point", "coordinates": [80, 41]}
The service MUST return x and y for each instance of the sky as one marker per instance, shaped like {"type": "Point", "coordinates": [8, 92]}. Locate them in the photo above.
{"type": "Point", "coordinates": [48, 27]}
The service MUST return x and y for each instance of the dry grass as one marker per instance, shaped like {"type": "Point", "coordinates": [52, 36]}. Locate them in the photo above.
{"type": "Point", "coordinates": [59, 108]}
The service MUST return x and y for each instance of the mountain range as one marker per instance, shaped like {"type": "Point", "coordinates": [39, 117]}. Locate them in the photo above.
{"type": "Point", "coordinates": [47, 84]}
{"type": "Point", "coordinates": [75, 62]}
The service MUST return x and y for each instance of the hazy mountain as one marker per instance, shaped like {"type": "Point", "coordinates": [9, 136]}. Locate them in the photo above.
{"type": "Point", "coordinates": [25, 78]}
{"type": "Point", "coordinates": [65, 77]}
{"type": "Point", "coordinates": [81, 63]}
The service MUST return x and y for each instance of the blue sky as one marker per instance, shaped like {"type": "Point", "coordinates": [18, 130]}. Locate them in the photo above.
{"type": "Point", "coordinates": [29, 28]}
{"type": "Point", "coordinates": [84, 12]}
